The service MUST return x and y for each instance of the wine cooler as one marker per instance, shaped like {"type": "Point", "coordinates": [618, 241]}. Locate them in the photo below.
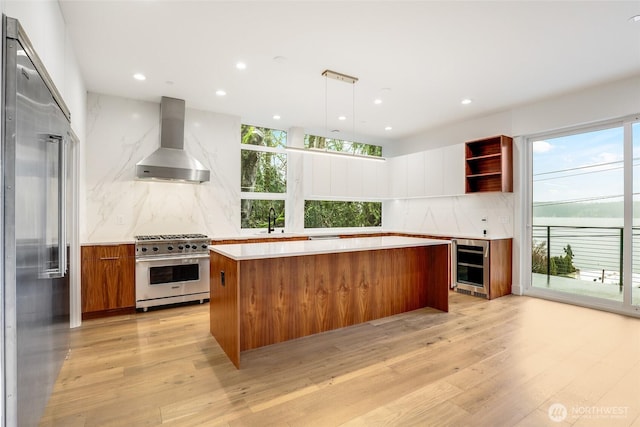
{"type": "Point", "coordinates": [471, 267]}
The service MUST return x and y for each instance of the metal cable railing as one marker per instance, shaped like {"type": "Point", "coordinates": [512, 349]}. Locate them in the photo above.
{"type": "Point", "coordinates": [589, 253]}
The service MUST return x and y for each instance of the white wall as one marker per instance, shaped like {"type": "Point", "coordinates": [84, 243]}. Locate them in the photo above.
{"type": "Point", "coordinates": [612, 100]}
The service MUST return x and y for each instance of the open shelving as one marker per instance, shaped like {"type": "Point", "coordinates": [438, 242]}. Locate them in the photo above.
{"type": "Point", "coordinates": [489, 165]}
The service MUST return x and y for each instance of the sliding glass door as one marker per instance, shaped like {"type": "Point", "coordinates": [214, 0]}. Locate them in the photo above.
{"type": "Point", "coordinates": [580, 223]}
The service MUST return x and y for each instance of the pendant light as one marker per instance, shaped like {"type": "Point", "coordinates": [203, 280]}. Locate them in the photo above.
{"type": "Point", "coordinates": [327, 74]}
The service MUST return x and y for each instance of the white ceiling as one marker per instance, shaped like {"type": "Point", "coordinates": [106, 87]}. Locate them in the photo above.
{"type": "Point", "coordinates": [422, 57]}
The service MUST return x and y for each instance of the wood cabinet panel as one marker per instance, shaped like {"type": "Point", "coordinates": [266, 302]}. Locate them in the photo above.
{"type": "Point", "coordinates": [223, 305]}
{"type": "Point", "coordinates": [500, 268]}
{"type": "Point", "coordinates": [279, 299]}
{"type": "Point", "coordinates": [107, 280]}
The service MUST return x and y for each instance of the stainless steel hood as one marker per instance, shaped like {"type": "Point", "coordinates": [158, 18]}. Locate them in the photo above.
{"type": "Point", "coordinates": [170, 161]}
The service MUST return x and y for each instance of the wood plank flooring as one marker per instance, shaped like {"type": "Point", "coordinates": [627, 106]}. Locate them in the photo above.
{"type": "Point", "coordinates": [503, 362]}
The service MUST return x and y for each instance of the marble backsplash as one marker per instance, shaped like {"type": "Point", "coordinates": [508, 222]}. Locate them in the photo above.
{"type": "Point", "coordinates": [120, 132]}
{"type": "Point", "coordinates": [458, 216]}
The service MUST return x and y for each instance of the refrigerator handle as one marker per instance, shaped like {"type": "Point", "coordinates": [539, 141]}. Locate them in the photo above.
{"type": "Point", "coordinates": [61, 254]}
{"type": "Point", "coordinates": [62, 219]}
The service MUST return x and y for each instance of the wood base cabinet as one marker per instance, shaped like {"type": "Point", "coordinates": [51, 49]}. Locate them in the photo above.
{"type": "Point", "coordinates": [108, 280]}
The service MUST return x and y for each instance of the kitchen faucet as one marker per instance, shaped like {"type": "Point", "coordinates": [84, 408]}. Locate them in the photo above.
{"type": "Point", "coordinates": [269, 228]}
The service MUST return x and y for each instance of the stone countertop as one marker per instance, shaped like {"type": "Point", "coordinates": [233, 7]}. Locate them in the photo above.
{"type": "Point", "coordinates": [241, 252]}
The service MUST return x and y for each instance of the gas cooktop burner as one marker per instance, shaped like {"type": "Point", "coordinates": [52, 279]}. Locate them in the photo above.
{"type": "Point", "coordinates": [171, 237]}
{"type": "Point", "coordinates": [171, 244]}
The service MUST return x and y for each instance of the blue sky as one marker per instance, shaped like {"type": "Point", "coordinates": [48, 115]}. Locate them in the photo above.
{"type": "Point", "coordinates": [583, 166]}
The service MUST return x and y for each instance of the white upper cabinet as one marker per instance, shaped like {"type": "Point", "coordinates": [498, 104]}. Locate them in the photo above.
{"type": "Point", "coordinates": [339, 176]}
{"type": "Point", "coordinates": [320, 175]}
{"type": "Point", "coordinates": [415, 174]}
{"type": "Point", "coordinates": [453, 164]}
{"type": "Point", "coordinates": [346, 178]}
{"type": "Point", "coordinates": [398, 176]}
{"type": "Point", "coordinates": [355, 178]}
{"type": "Point", "coordinates": [433, 172]}
{"type": "Point", "coordinates": [437, 172]}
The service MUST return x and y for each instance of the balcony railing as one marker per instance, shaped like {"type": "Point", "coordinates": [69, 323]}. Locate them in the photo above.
{"type": "Point", "coordinates": [596, 253]}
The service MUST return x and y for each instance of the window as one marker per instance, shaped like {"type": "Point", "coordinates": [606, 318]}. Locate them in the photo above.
{"type": "Point", "coordinates": [254, 213]}
{"type": "Point", "coordinates": [334, 214]}
{"type": "Point", "coordinates": [263, 169]}
{"type": "Point", "coordinates": [331, 144]}
{"type": "Point", "coordinates": [578, 188]}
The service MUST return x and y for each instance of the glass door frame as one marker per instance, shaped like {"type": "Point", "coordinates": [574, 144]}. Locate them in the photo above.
{"type": "Point", "coordinates": [526, 225]}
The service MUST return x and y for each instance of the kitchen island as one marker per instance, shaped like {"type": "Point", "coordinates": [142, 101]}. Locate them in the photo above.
{"type": "Point", "coordinates": [265, 293]}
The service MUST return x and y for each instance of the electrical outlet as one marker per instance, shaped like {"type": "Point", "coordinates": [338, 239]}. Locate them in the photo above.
{"type": "Point", "coordinates": [120, 220]}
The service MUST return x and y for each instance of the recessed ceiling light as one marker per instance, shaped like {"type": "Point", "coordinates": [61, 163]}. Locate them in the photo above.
{"type": "Point", "coordinates": [377, 101]}
{"type": "Point", "coordinates": [241, 66]}
{"type": "Point", "coordinates": [276, 117]}
{"type": "Point", "coordinates": [388, 128]}
{"type": "Point", "coordinates": [221, 92]}
{"type": "Point", "coordinates": [139, 76]}
{"type": "Point", "coordinates": [635, 18]}
{"type": "Point", "coordinates": [342, 118]}
{"type": "Point", "coordinates": [465, 101]}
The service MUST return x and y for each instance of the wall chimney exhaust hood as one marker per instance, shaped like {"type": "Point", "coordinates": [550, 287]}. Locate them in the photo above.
{"type": "Point", "coordinates": [170, 161]}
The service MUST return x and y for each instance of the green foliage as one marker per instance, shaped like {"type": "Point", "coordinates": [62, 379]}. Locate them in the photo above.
{"type": "Point", "coordinates": [263, 137]}
{"type": "Point", "coordinates": [312, 141]}
{"type": "Point", "coordinates": [333, 214]}
{"type": "Point", "coordinates": [255, 213]}
{"type": "Point", "coordinates": [558, 266]}
{"type": "Point", "coordinates": [263, 171]}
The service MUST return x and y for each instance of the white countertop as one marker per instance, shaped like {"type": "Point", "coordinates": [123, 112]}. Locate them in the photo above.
{"type": "Point", "coordinates": [248, 251]}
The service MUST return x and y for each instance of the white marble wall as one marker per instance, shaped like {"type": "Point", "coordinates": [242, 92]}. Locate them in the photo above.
{"type": "Point", "coordinates": [120, 132]}
{"type": "Point", "coordinates": [457, 216]}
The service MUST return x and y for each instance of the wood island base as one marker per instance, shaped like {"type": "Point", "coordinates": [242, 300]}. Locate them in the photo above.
{"type": "Point", "coordinates": [258, 302]}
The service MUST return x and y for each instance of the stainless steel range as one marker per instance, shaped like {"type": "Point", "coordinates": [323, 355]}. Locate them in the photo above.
{"type": "Point", "coordinates": [171, 268]}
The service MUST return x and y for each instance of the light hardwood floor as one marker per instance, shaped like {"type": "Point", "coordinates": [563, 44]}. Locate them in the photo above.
{"type": "Point", "coordinates": [503, 362]}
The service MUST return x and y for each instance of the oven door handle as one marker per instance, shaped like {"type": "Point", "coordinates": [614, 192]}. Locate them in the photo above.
{"type": "Point", "coordinates": [172, 258]}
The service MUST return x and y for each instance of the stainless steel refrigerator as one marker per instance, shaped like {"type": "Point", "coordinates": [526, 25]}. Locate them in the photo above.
{"type": "Point", "coordinates": [35, 288]}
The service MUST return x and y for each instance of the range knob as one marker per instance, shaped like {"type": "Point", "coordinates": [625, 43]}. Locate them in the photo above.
{"type": "Point", "coordinates": [180, 247]}
{"type": "Point", "coordinates": [170, 248]}
{"type": "Point", "coordinates": [144, 249]}
{"type": "Point", "coordinates": [187, 246]}
{"type": "Point", "coordinates": [155, 249]}
{"type": "Point", "coordinates": [204, 246]}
